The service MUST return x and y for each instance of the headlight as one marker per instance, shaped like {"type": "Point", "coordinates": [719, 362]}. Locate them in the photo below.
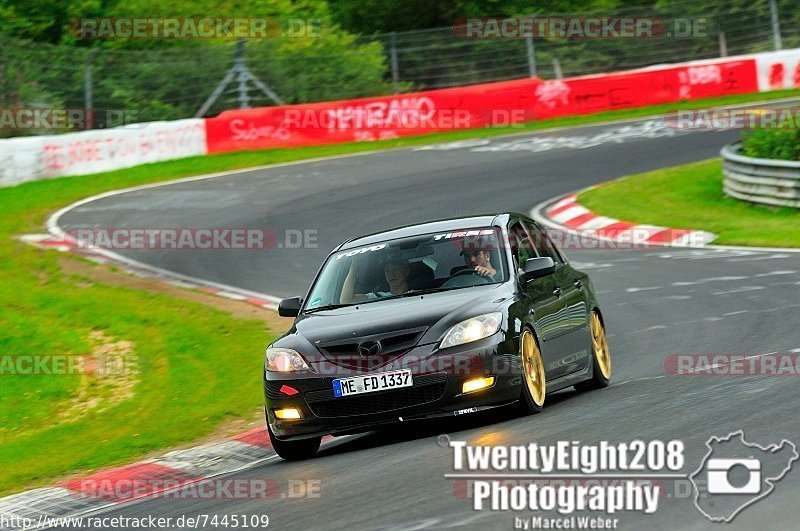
{"type": "Point", "coordinates": [284, 360]}
{"type": "Point", "coordinates": [473, 329]}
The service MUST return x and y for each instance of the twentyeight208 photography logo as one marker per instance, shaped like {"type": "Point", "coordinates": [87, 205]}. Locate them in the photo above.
{"type": "Point", "coordinates": [735, 474]}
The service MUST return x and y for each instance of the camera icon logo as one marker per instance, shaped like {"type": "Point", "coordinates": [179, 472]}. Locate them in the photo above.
{"type": "Point", "coordinates": [735, 474]}
{"type": "Point", "coordinates": [719, 481]}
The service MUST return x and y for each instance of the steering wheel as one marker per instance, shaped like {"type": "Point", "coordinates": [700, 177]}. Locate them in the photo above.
{"type": "Point", "coordinates": [465, 272]}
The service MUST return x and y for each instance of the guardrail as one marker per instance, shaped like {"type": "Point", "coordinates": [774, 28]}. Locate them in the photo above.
{"type": "Point", "coordinates": [766, 181]}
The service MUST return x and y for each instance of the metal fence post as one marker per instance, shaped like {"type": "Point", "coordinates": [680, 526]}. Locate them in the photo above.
{"type": "Point", "coordinates": [776, 26]}
{"type": "Point", "coordinates": [531, 55]}
{"type": "Point", "coordinates": [395, 65]}
{"type": "Point", "coordinates": [244, 100]}
{"type": "Point", "coordinates": [88, 85]}
{"type": "Point", "coordinates": [723, 45]}
{"type": "Point", "coordinates": [557, 69]}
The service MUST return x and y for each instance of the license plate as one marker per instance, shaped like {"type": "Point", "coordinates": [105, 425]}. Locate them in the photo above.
{"type": "Point", "coordinates": [371, 383]}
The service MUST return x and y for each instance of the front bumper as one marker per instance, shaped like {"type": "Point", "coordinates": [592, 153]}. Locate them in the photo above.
{"type": "Point", "coordinates": [438, 377]}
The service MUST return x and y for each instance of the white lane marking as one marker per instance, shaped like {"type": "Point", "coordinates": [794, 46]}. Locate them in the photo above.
{"type": "Point", "coordinates": [591, 265]}
{"type": "Point", "coordinates": [744, 289]}
{"type": "Point", "coordinates": [776, 273]}
{"type": "Point", "coordinates": [650, 329]}
{"type": "Point", "coordinates": [737, 312]}
{"type": "Point", "coordinates": [776, 256]}
{"type": "Point", "coordinates": [648, 288]}
{"type": "Point", "coordinates": [712, 279]}
{"type": "Point", "coordinates": [640, 379]}
{"type": "Point", "coordinates": [678, 297]}
{"type": "Point", "coordinates": [444, 522]}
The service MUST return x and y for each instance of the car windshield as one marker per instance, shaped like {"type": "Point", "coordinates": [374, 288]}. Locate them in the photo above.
{"type": "Point", "coordinates": [408, 266]}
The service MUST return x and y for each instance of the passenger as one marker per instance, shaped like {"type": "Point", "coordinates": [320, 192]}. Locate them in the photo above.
{"type": "Point", "coordinates": [396, 270]}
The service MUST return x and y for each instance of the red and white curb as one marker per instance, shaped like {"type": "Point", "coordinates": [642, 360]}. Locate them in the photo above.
{"type": "Point", "coordinates": [570, 216]}
{"type": "Point", "coordinates": [67, 243]}
{"type": "Point", "coordinates": [175, 471]}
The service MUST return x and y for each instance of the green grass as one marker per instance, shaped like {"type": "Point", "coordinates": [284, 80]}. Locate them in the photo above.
{"type": "Point", "coordinates": [690, 197]}
{"type": "Point", "coordinates": [196, 367]}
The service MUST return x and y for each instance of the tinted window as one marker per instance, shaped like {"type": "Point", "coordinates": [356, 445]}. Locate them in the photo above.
{"type": "Point", "coordinates": [429, 262]}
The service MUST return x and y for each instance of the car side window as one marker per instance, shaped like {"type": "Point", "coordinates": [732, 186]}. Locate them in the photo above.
{"type": "Point", "coordinates": [522, 247]}
{"type": "Point", "coordinates": [543, 245]}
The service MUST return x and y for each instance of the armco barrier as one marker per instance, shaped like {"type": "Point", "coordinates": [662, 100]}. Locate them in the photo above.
{"type": "Point", "coordinates": [767, 181]}
{"type": "Point", "coordinates": [475, 106]}
{"type": "Point", "coordinates": [42, 157]}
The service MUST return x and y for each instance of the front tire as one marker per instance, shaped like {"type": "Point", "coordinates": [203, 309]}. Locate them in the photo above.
{"type": "Point", "coordinates": [534, 386]}
{"type": "Point", "coordinates": [294, 450]}
{"type": "Point", "coordinates": [601, 357]}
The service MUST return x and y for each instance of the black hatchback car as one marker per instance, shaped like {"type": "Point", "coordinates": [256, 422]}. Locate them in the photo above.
{"type": "Point", "coordinates": [439, 319]}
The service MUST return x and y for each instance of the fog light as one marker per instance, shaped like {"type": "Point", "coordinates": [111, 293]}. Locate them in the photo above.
{"type": "Point", "coordinates": [476, 384]}
{"type": "Point", "coordinates": [288, 413]}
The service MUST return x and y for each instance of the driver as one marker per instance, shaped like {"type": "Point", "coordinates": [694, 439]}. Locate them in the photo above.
{"type": "Point", "coordinates": [478, 257]}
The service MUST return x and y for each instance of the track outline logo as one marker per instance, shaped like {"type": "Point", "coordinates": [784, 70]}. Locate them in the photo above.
{"type": "Point", "coordinates": [754, 468]}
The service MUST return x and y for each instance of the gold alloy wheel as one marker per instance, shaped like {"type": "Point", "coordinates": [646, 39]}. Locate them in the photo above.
{"type": "Point", "coordinates": [602, 355]}
{"type": "Point", "coordinates": [533, 367]}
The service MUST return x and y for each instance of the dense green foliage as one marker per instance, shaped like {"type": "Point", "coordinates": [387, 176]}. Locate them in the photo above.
{"type": "Point", "coordinates": [44, 63]}
{"type": "Point", "coordinates": [783, 144]}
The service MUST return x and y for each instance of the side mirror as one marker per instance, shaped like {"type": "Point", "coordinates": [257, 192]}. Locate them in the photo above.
{"type": "Point", "coordinates": [290, 307]}
{"type": "Point", "coordinates": [539, 267]}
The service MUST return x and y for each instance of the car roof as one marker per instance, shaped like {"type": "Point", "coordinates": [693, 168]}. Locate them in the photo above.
{"type": "Point", "coordinates": [444, 225]}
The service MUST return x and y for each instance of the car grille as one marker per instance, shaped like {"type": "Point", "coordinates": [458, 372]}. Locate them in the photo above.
{"type": "Point", "coordinates": [425, 389]}
{"type": "Point", "coordinates": [394, 344]}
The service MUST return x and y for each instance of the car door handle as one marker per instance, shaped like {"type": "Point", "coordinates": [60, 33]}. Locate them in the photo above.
{"type": "Point", "coordinates": [578, 284]}
{"type": "Point", "coordinates": [557, 292]}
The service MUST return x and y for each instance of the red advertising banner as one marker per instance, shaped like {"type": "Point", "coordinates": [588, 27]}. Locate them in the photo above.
{"type": "Point", "coordinates": [651, 86]}
{"type": "Point", "coordinates": [373, 118]}
{"type": "Point", "coordinates": [486, 105]}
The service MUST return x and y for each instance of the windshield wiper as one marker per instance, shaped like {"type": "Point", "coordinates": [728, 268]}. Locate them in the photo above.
{"type": "Point", "coordinates": [413, 292]}
{"type": "Point", "coordinates": [331, 307]}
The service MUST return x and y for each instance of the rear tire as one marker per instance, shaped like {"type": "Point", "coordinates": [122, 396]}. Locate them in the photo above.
{"type": "Point", "coordinates": [294, 450]}
{"type": "Point", "coordinates": [534, 380]}
{"type": "Point", "coordinates": [601, 357]}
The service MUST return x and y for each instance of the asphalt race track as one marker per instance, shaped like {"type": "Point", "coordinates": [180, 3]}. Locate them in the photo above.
{"type": "Point", "coordinates": [657, 302]}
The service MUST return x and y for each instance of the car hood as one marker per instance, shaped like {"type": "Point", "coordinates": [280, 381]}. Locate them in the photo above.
{"type": "Point", "coordinates": [417, 320]}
